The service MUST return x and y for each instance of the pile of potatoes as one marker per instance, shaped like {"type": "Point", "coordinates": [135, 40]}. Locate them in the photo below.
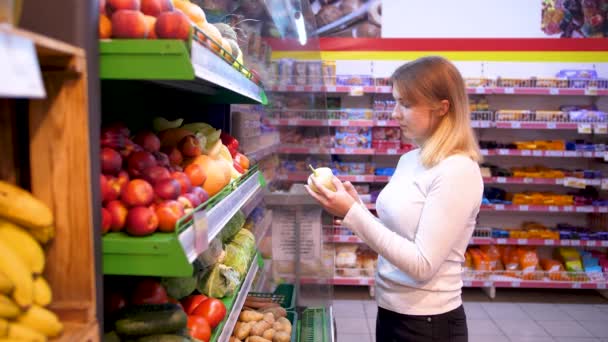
{"type": "Point", "coordinates": [262, 321]}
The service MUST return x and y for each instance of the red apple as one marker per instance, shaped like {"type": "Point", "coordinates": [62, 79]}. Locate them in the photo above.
{"type": "Point", "coordinates": [185, 201]}
{"type": "Point", "coordinates": [112, 189]}
{"type": "Point", "coordinates": [190, 146]}
{"type": "Point", "coordinates": [106, 220]}
{"type": "Point", "coordinates": [156, 7]}
{"type": "Point", "coordinates": [201, 193]}
{"type": "Point", "coordinates": [173, 25]}
{"type": "Point", "coordinates": [105, 187]}
{"type": "Point", "coordinates": [155, 173]}
{"type": "Point", "coordinates": [167, 189]}
{"type": "Point", "coordinates": [111, 161]}
{"type": "Point", "coordinates": [129, 24]}
{"type": "Point", "coordinates": [102, 7]}
{"type": "Point", "coordinates": [138, 193]}
{"type": "Point", "coordinates": [162, 159]}
{"type": "Point", "coordinates": [112, 139]}
{"type": "Point", "coordinates": [122, 180]}
{"type": "Point", "coordinates": [183, 180]}
{"type": "Point", "coordinates": [148, 140]}
{"type": "Point", "coordinates": [168, 213]}
{"type": "Point", "coordinates": [128, 148]}
{"type": "Point", "coordinates": [118, 128]}
{"type": "Point", "coordinates": [116, 5]}
{"type": "Point", "coordinates": [139, 161]}
{"type": "Point", "coordinates": [118, 212]}
{"type": "Point", "coordinates": [141, 221]}
{"type": "Point", "coordinates": [175, 156]}
{"type": "Point", "coordinates": [193, 198]}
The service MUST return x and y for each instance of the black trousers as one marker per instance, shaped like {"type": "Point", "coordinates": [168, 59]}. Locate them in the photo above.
{"type": "Point", "coordinates": [395, 327]}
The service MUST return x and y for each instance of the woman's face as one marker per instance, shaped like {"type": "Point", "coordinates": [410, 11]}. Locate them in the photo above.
{"type": "Point", "coordinates": [417, 122]}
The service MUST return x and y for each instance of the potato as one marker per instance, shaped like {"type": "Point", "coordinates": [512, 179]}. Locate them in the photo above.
{"type": "Point", "coordinates": [269, 317]}
{"type": "Point", "coordinates": [256, 339]}
{"type": "Point", "coordinates": [276, 311]}
{"type": "Point", "coordinates": [242, 330]}
{"type": "Point", "coordinates": [281, 336]}
{"type": "Point", "coordinates": [269, 334]}
{"type": "Point", "coordinates": [285, 324]}
{"type": "Point", "coordinates": [259, 328]}
{"type": "Point", "coordinates": [250, 316]}
{"type": "Point", "coordinates": [234, 339]}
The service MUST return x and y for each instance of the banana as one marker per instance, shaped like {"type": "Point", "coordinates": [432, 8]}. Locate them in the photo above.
{"type": "Point", "coordinates": [11, 340]}
{"type": "Point", "coordinates": [41, 320]}
{"type": "Point", "coordinates": [23, 208]}
{"type": "Point", "coordinates": [23, 244]}
{"type": "Point", "coordinates": [3, 328]}
{"type": "Point", "coordinates": [17, 272]}
{"type": "Point", "coordinates": [8, 309]}
{"type": "Point", "coordinates": [24, 333]}
{"type": "Point", "coordinates": [6, 285]}
{"type": "Point", "coordinates": [42, 292]}
{"type": "Point", "coordinates": [43, 235]}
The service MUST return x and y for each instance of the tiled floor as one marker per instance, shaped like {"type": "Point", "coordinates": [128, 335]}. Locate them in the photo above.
{"type": "Point", "coordinates": [514, 316]}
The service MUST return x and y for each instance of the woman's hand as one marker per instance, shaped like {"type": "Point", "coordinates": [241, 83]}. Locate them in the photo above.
{"type": "Point", "coordinates": [337, 203]}
{"type": "Point", "coordinates": [348, 186]}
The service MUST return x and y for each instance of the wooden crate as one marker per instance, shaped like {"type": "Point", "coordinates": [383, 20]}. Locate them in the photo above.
{"type": "Point", "coordinates": [47, 149]}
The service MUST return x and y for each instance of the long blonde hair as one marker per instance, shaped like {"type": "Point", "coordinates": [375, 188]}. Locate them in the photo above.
{"type": "Point", "coordinates": [429, 80]}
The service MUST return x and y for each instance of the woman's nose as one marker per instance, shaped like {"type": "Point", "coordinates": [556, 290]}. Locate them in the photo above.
{"type": "Point", "coordinates": [395, 114]}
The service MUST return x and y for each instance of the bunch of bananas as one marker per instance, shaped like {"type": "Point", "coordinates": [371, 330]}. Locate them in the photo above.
{"type": "Point", "coordinates": [25, 225]}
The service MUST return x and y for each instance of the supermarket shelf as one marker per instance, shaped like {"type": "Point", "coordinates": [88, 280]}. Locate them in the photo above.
{"type": "Point", "coordinates": [172, 254]}
{"type": "Point", "coordinates": [342, 239]}
{"type": "Point", "coordinates": [542, 153]}
{"type": "Point", "coordinates": [536, 279]}
{"type": "Point", "coordinates": [352, 151]}
{"type": "Point", "coordinates": [263, 152]}
{"type": "Point", "coordinates": [261, 229]}
{"type": "Point", "coordinates": [545, 208]}
{"type": "Point", "coordinates": [336, 280]}
{"type": "Point", "coordinates": [536, 284]}
{"type": "Point", "coordinates": [332, 123]}
{"type": "Point", "coordinates": [537, 242]}
{"type": "Point", "coordinates": [169, 63]}
{"type": "Point", "coordinates": [470, 90]}
{"type": "Point", "coordinates": [224, 330]}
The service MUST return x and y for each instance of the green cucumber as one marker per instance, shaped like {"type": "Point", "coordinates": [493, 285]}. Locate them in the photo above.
{"type": "Point", "coordinates": [164, 338]}
{"type": "Point", "coordinates": [152, 323]}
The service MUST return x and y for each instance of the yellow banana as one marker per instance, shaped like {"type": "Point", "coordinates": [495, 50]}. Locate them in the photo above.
{"type": "Point", "coordinates": [41, 320]}
{"type": "Point", "coordinates": [24, 333]}
{"type": "Point", "coordinates": [42, 292]}
{"type": "Point", "coordinates": [17, 272]}
{"type": "Point", "coordinates": [11, 340]}
{"type": "Point", "coordinates": [6, 285]}
{"type": "Point", "coordinates": [23, 208]}
{"type": "Point", "coordinates": [23, 244]}
{"type": "Point", "coordinates": [8, 309]}
{"type": "Point", "coordinates": [43, 235]}
{"type": "Point", "coordinates": [3, 328]}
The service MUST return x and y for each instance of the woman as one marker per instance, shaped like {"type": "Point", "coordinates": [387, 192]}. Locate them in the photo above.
{"type": "Point", "coordinates": [426, 213]}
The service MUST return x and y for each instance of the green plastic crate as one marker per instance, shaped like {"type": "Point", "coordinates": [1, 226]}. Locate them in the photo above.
{"type": "Point", "coordinates": [283, 295]}
{"type": "Point", "coordinates": [314, 325]}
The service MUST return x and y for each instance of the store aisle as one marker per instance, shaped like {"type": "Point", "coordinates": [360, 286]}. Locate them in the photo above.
{"type": "Point", "coordinates": [521, 315]}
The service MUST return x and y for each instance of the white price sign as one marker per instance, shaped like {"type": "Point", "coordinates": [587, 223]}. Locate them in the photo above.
{"type": "Point", "coordinates": [516, 125]}
{"type": "Point", "coordinates": [344, 123]}
{"type": "Point", "coordinates": [292, 122]}
{"type": "Point", "coordinates": [509, 90]}
{"type": "Point", "coordinates": [600, 128]}
{"type": "Point", "coordinates": [522, 241]}
{"type": "Point", "coordinates": [499, 207]}
{"type": "Point", "coordinates": [604, 184]}
{"type": "Point", "coordinates": [501, 241]}
{"type": "Point", "coordinates": [553, 208]}
{"type": "Point", "coordinates": [524, 208]}
{"type": "Point", "coordinates": [19, 68]}
{"type": "Point", "coordinates": [549, 242]}
{"type": "Point", "coordinates": [356, 91]}
{"type": "Point", "coordinates": [584, 128]}
{"type": "Point", "coordinates": [480, 90]}
{"type": "Point", "coordinates": [503, 152]}
{"type": "Point", "coordinates": [554, 91]}
{"type": "Point", "coordinates": [526, 152]}
{"type": "Point", "coordinates": [551, 125]}
{"type": "Point", "coordinates": [591, 91]}
{"type": "Point", "coordinates": [537, 153]}
{"type": "Point", "coordinates": [391, 151]}
{"type": "Point", "coordinates": [501, 180]}
{"type": "Point", "coordinates": [381, 123]}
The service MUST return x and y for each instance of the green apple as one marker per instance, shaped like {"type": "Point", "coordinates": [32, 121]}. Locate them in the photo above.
{"type": "Point", "coordinates": [322, 175]}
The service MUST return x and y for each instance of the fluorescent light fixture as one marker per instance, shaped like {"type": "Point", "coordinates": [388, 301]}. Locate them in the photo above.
{"type": "Point", "coordinates": [300, 28]}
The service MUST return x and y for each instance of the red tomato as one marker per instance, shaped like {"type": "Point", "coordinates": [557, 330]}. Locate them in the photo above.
{"type": "Point", "coordinates": [190, 303]}
{"type": "Point", "coordinates": [113, 302]}
{"type": "Point", "coordinates": [149, 291]}
{"type": "Point", "coordinates": [199, 328]}
{"type": "Point", "coordinates": [213, 310]}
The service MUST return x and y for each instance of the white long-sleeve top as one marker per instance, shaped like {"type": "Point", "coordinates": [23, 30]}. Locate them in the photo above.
{"type": "Point", "coordinates": [425, 220]}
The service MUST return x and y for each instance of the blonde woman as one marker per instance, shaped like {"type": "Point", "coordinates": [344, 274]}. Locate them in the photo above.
{"type": "Point", "coordinates": [426, 213]}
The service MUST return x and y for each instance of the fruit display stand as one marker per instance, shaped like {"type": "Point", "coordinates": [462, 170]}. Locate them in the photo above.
{"type": "Point", "coordinates": [45, 148]}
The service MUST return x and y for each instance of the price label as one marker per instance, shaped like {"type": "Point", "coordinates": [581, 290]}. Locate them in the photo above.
{"type": "Point", "coordinates": [523, 208]}
{"type": "Point", "coordinates": [391, 151]}
{"type": "Point", "coordinates": [528, 180]}
{"type": "Point", "coordinates": [551, 125]}
{"type": "Point", "coordinates": [509, 90]}
{"type": "Point", "coordinates": [526, 152]}
{"type": "Point", "coordinates": [575, 242]}
{"type": "Point", "coordinates": [570, 154]}
{"type": "Point", "coordinates": [554, 91]}
{"type": "Point", "coordinates": [480, 90]}
{"type": "Point", "coordinates": [349, 150]}
{"type": "Point", "coordinates": [501, 180]}
{"type": "Point", "coordinates": [501, 241]}
{"type": "Point", "coordinates": [475, 124]}
{"type": "Point", "coordinates": [554, 153]}
{"type": "Point", "coordinates": [549, 242]}
{"type": "Point", "coordinates": [344, 123]}
{"type": "Point", "coordinates": [604, 184]}
{"type": "Point", "coordinates": [316, 88]}
{"type": "Point", "coordinates": [382, 123]}
{"type": "Point", "coordinates": [516, 125]}
{"type": "Point", "coordinates": [584, 209]}
{"type": "Point", "coordinates": [330, 89]}
{"type": "Point", "coordinates": [292, 122]}
{"type": "Point", "coordinates": [537, 153]}
{"type": "Point", "coordinates": [584, 128]}
{"type": "Point", "coordinates": [499, 207]}
{"type": "Point", "coordinates": [603, 210]}
{"type": "Point", "coordinates": [503, 152]}
{"type": "Point", "coordinates": [360, 178]}
{"type": "Point", "coordinates": [601, 286]}
{"type": "Point", "coordinates": [467, 283]}
{"type": "Point", "coordinates": [356, 91]}
{"type": "Point", "coordinates": [606, 156]}
{"type": "Point", "coordinates": [484, 124]}
{"type": "Point", "coordinates": [576, 183]}
{"type": "Point", "coordinates": [522, 241]}
{"type": "Point", "coordinates": [485, 152]}
{"type": "Point", "coordinates": [588, 154]}
{"type": "Point", "coordinates": [553, 208]}
{"type": "Point", "coordinates": [487, 284]}
{"type": "Point", "coordinates": [576, 285]}
{"type": "Point", "coordinates": [600, 128]}
{"type": "Point", "coordinates": [19, 68]}
{"type": "Point", "coordinates": [515, 284]}
{"type": "Point", "coordinates": [201, 236]}
{"type": "Point", "coordinates": [591, 91]}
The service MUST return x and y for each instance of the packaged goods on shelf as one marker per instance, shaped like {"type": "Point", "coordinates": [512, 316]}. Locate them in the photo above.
{"type": "Point", "coordinates": [328, 71]}
{"type": "Point", "coordinates": [471, 82]}
{"type": "Point", "coordinates": [353, 137]}
{"type": "Point", "coordinates": [479, 105]}
{"type": "Point", "coordinates": [560, 145]}
{"type": "Point", "coordinates": [354, 80]}
{"type": "Point", "coordinates": [354, 261]}
{"type": "Point", "coordinates": [386, 137]}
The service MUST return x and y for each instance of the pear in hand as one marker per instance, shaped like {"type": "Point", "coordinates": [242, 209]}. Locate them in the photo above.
{"type": "Point", "coordinates": [324, 176]}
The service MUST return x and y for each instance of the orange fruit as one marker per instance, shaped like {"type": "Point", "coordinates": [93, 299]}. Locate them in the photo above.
{"type": "Point", "coordinates": [151, 23]}
{"type": "Point", "coordinates": [105, 27]}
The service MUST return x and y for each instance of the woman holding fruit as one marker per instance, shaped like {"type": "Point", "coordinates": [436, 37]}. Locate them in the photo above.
{"type": "Point", "coordinates": [426, 213]}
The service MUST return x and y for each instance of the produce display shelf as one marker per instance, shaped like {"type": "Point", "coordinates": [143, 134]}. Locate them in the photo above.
{"type": "Point", "coordinates": [542, 153]}
{"type": "Point", "coordinates": [470, 90]}
{"type": "Point", "coordinates": [545, 208]}
{"type": "Point", "coordinates": [353, 151]}
{"type": "Point", "coordinates": [263, 152]}
{"type": "Point", "coordinates": [234, 303]}
{"type": "Point", "coordinates": [316, 325]}
{"type": "Point", "coordinates": [172, 254]}
{"type": "Point", "coordinates": [184, 65]}
{"type": "Point", "coordinates": [261, 229]}
{"type": "Point", "coordinates": [537, 242]}
{"type": "Point", "coordinates": [332, 123]}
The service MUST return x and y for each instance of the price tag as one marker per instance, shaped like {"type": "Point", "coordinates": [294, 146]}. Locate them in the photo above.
{"type": "Point", "coordinates": [487, 284]}
{"type": "Point", "coordinates": [584, 128]}
{"type": "Point", "coordinates": [391, 151]}
{"type": "Point", "coordinates": [516, 125]}
{"type": "Point", "coordinates": [584, 209]}
{"type": "Point", "coordinates": [576, 285]}
{"type": "Point", "coordinates": [501, 241]}
{"type": "Point", "coordinates": [467, 283]}
{"type": "Point", "coordinates": [576, 183]}
{"type": "Point", "coordinates": [526, 152]}
{"type": "Point", "coordinates": [381, 123]}
{"type": "Point", "coordinates": [499, 207]}
{"type": "Point", "coordinates": [554, 91]}
{"type": "Point", "coordinates": [19, 68]}
{"type": "Point", "coordinates": [475, 124]}
{"type": "Point", "coordinates": [604, 184]}
{"type": "Point", "coordinates": [299, 88]}
{"type": "Point", "coordinates": [201, 226]}
{"type": "Point", "coordinates": [554, 153]}
{"type": "Point", "coordinates": [344, 123]}
{"type": "Point", "coordinates": [588, 154]}
{"type": "Point", "coordinates": [523, 208]}
{"type": "Point", "coordinates": [359, 178]}
{"type": "Point", "coordinates": [330, 89]}
{"type": "Point", "coordinates": [349, 150]}
{"type": "Point", "coordinates": [522, 241]}
{"type": "Point", "coordinates": [503, 152]}
{"type": "Point", "coordinates": [515, 284]}
{"type": "Point", "coordinates": [549, 242]}
{"type": "Point", "coordinates": [316, 88]}
{"type": "Point", "coordinates": [603, 210]}
{"type": "Point", "coordinates": [601, 286]}
{"type": "Point", "coordinates": [575, 242]}
{"type": "Point", "coordinates": [568, 209]}
{"type": "Point", "coordinates": [528, 180]}
{"type": "Point", "coordinates": [356, 91]}
{"type": "Point", "coordinates": [480, 90]}
{"type": "Point", "coordinates": [570, 154]}
{"type": "Point", "coordinates": [551, 125]}
{"type": "Point", "coordinates": [292, 122]}
{"type": "Point", "coordinates": [501, 180]}
{"type": "Point", "coordinates": [485, 124]}
{"type": "Point", "coordinates": [537, 153]}
{"type": "Point", "coordinates": [591, 91]}
{"type": "Point", "coordinates": [485, 152]}
{"type": "Point", "coordinates": [553, 208]}
{"type": "Point", "coordinates": [509, 90]}
{"type": "Point", "coordinates": [600, 128]}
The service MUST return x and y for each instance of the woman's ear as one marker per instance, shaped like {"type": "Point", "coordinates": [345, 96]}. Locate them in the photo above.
{"type": "Point", "coordinates": [444, 107]}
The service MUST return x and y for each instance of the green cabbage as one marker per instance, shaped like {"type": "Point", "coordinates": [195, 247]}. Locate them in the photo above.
{"type": "Point", "coordinates": [237, 258]}
{"type": "Point", "coordinates": [233, 226]}
{"type": "Point", "coordinates": [219, 281]}
{"type": "Point", "coordinates": [179, 287]}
